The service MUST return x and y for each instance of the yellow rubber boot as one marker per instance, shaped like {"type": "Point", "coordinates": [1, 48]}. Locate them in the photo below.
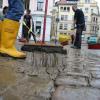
{"type": "Point", "coordinates": [0, 26]}
{"type": "Point", "coordinates": [8, 39]}
{"type": "Point", "coordinates": [0, 31]}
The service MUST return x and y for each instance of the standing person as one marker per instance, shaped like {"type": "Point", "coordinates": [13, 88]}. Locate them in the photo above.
{"type": "Point", "coordinates": [10, 27]}
{"type": "Point", "coordinates": [79, 22]}
{"type": "Point", "coordinates": [27, 19]}
{"type": "Point", "coordinates": [72, 38]}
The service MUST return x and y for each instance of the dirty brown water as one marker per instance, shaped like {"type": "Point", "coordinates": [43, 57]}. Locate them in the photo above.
{"type": "Point", "coordinates": [7, 79]}
{"type": "Point", "coordinates": [7, 75]}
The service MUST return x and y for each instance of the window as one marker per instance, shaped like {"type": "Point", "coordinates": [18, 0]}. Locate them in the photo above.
{"type": "Point", "coordinates": [40, 5]}
{"type": "Point", "coordinates": [93, 28]}
{"type": "Point", "coordinates": [26, 3]}
{"type": "Point", "coordinates": [61, 26]}
{"type": "Point", "coordinates": [64, 8]}
{"type": "Point", "coordinates": [87, 1]}
{"type": "Point", "coordinates": [86, 10]}
{"type": "Point", "coordinates": [72, 17]}
{"type": "Point", "coordinates": [1, 1]}
{"type": "Point", "coordinates": [91, 10]}
{"type": "Point", "coordinates": [65, 26]}
{"type": "Point", "coordinates": [64, 17]}
{"type": "Point", "coordinates": [65, 33]}
{"type": "Point", "coordinates": [68, 9]}
{"type": "Point", "coordinates": [38, 27]}
{"type": "Point", "coordinates": [94, 19]}
{"type": "Point", "coordinates": [61, 8]}
{"type": "Point", "coordinates": [86, 18]}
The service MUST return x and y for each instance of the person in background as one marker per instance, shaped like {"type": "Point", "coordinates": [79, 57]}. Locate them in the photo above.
{"type": "Point", "coordinates": [5, 10]}
{"type": "Point", "coordinates": [79, 24]}
{"type": "Point", "coordinates": [27, 25]}
{"type": "Point", "coordinates": [10, 27]}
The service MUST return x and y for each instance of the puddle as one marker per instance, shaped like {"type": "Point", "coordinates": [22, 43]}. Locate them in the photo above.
{"type": "Point", "coordinates": [7, 76]}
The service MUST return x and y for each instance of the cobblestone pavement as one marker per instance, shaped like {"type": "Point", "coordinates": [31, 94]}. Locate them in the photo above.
{"type": "Point", "coordinates": [41, 76]}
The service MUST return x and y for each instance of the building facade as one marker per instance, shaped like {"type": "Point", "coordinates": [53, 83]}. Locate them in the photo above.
{"type": "Point", "coordinates": [37, 8]}
{"type": "Point", "coordinates": [99, 25]}
{"type": "Point", "coordinates": [90, 9]}
{"type": "Point", "coordinates": [66, 14]}
{"type": "Point", "coordinates": [59, 16]}
{"type": "Point", "coordinates": [94, 24]}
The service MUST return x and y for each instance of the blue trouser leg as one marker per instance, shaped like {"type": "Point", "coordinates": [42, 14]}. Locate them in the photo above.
{"type": "Point", "coordinates": [16, 10]}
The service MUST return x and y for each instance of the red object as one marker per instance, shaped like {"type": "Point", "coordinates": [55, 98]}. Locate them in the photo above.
{"type": "Point", "coordinates": [23, 40]}
{"type": "Point", "coordinates": [44, 26]}
{"type": "Point", "coordinates": [93, 46]}
{"type": "Point", "coordinates": [64, 43]}
{"type": "Point", "coordinates": [40, 43]}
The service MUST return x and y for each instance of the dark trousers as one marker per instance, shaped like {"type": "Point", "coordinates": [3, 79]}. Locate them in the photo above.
{"type": "Point", "coordinates": [72, 37]}
{"type": "Point", "coordinates": [25, 32]}
{"type": "Point", "coordinates": [78, 38]}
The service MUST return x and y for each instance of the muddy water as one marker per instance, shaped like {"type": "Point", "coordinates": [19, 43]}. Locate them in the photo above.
{"type": "Point", "coordinates": [47, 67]}
{"type": "Point", "coordinates": [7, 75]}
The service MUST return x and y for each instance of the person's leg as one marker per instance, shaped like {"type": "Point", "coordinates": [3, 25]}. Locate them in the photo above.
{"type": "Point", "coordinates": [34, 37]}
{"type": "Point", "coordinates": [16, 10]}
{"type": "Point", "coordinates": [72, 37]}
{"type": "Point", "coordinates": [10, 29]}
{"type": "Point", "coordinates": [29, 36]}
{"type": "Point", "coordinates": [77, 42]}
{"type": "Point", "coordinates": [79, 38]}
{"type": "Point", "coordinates": [76, 37]}
{"type": "Point", "coordinates": [25, 32]}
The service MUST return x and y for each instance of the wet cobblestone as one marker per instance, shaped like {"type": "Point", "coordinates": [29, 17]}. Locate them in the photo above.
{"type": "Point", "coordinates": [43, 76]}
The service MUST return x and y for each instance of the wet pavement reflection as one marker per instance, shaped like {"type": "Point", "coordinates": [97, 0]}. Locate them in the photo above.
{"type": "Point", "coordinates": [44, 76]}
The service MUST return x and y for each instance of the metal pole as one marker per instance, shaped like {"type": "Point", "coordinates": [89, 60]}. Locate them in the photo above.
{"type": "Point", "coordinates": [44, 25]}
{"type": "Point", "coordinates": [57, 21]}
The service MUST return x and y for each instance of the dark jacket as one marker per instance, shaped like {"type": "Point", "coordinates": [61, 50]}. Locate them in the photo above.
{"type": "Point", "coordinates": [79, 17]}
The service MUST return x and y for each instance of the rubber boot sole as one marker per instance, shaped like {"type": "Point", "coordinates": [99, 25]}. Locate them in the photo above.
{"type": "Point", "coordinates": [6, 55]}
